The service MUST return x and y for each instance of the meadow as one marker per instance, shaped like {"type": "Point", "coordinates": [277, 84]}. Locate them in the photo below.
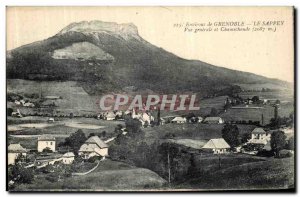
{"type": "Point", "coordinates": [27, 133]}
{"type": "Point", "coordinates": [269, 174]}
{"type": "Point", "coordinates": [109, 175]}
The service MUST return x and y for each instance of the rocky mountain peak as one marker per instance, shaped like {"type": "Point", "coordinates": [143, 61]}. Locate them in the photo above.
{"type": "Point", "coordinates": [125, 30]}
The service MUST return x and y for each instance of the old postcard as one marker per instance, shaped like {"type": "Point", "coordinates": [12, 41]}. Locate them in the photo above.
{"type": "Point", "coordinates": [150, 99]}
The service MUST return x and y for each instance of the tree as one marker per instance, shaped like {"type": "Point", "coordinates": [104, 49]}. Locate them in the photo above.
{"type": "Point", "coordinates": [245, 137]}
{"type": "Point", "coordinates": [103, 134]}
{"type": "Point", "coordinates": [19, 174]}
{"type": "Point", "coordinates": [133, 125]}
{"type": "Point", "coordinates": [118, 129]}
{"type": "Point", "coordinates": [291, 143]}
{"type": "Point", "coordinates": [255, 99]}
{"type": "Point", "coordinates": [71, 115]}
{"type": "Point", "coordinates": [76, 140]}
{"type": "Point", "coordinates": [168, 154]}
{"type": "Point", "coordinates": [91, 135]}
{"type": "Point", "coordinates": [230, 133]}
{"type": "Point", "coordinates": [278, 141]}
{"type": "Point", "coordinates": [213, 112]}
{"type": "Point", "coordinates": [9, 111]}
{"type": "Point", "coordinates": [190, 117]}
{"type": "Point", "coordinates": [47, 150]}
{"type": "Point", "coordinates": [158, 116]}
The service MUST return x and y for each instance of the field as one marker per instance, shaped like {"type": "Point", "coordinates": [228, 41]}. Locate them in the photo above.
{"type": "Point", "coordinates": [240, 114]}
{"type": "Point", "coordinates": [109, 175]}
{"type": "Point", "coordinates": [269, 174]}
{"type": "Point", "coordinates": [259, 86]}
{"type": "Point", "coordinates": [27, 132]}
{"type": "Point", "coordinates": [190, 131]}
{"type": "Point", "coordinates": [73, 97]}
{"type": "Point", "coordinates": [283, 96]}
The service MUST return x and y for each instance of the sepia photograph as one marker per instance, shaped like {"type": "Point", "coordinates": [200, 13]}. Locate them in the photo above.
{"type": "Point", "coordinates": [150, 99]}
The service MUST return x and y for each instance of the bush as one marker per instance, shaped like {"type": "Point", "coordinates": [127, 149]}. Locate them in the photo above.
{"type": "Point", "coordinates": [20, 174]}
{"type": "Point", "coordinates": [47, 150]}
{"type": "Point", "coordinates": [94, 159]}
{"type": "Point", "coordinates": [53, 177]}
{"type": "Point", "coordinates": [265, 153]}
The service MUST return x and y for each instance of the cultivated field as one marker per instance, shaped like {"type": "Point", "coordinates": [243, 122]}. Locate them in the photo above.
{"type": "Point", "coordinates": [191, 131]}
{"type": "Point", "coordinates": [20, 131]}
{"type": "Point", "coordinates": [239, 114]}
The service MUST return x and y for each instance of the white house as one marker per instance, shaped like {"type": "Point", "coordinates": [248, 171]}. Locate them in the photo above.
{"type": "Point", "coordinates": [214, 120]}
{"type": "Point", "coordinates": [68, 158]}
{"type": "Point", "coordinates": [179, 120]}
{"type": "Point", "coordinates": [93, 146]}
{"type": "Point", "coordinates": [17, 114]}
{"type": "Point", "coordinates": [143, 117]}
{"type": "Point", "coordinates": [200, 119]}
{"type": "Point", "coordinates": [109, 116]}
{"type": "Point", "coordinates": [51, 120]}
{"type": "Point", "coordinates": [259, 136]}
{"type": "Point", "coordinates": [14, 151]}
{"type": "Point", "coordinates": [28, 104]}
{"type": "Point", "coordinates": [17, 102]}
{"type": "Point", "coordinates": [217, 146]}
{"type": "Point", "coordinates": [46, 141]}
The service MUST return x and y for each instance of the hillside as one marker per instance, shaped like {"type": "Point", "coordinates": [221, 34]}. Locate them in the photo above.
{"type": "Point", "coordinates": [109, 176]}
{"type": "Point", "coordinates": [270, 174]}
{"type": "Point", "coordinates": [104, 57]}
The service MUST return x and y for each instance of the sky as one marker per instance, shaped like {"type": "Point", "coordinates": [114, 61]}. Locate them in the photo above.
{"type": "Point", "coordinates": [267, 53]}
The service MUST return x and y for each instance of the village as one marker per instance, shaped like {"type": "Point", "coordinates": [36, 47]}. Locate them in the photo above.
{"type": "Point", "coordinates": [78, 155]}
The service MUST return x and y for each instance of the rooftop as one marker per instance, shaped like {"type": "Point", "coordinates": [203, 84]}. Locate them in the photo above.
{"type": "Point", "coordinates": [96, 140]}
{"type": "Point", "coordinates": [258, 131]}
{"type": "Point", "coordinates": [212, 118]}
{"type": "Point", "coordinates": [46, 137]}
{"type": "Point", "coordinates": [16, 148]}
{"type": "Point", "coordinates": [216, 144]}
{"type": "Point", "coordinates": [69, 154]}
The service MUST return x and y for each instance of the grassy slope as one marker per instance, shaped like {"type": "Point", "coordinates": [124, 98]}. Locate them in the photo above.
{"type": "Point", "coordinates": [191, 131]}
{"type": "Point", "coordinates": [109, 176]}
{"type": "Point", "coordinates": [74, 98]}
{"type": "Point", "coordinates": [269, 174]}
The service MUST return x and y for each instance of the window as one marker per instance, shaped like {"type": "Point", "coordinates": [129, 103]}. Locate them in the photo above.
{"type": "Point", "coordinates": [51, 143]}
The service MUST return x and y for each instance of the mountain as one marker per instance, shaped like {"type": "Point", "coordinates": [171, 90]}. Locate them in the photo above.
{"type": "Point", "coordinates": [104, 56]}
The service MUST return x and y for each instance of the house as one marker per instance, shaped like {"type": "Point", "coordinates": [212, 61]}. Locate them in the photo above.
{"type": "Point", "coordinates": [196, 119]}
{"type": "Point", "coordinates": [51, 120]}
{"type": "Point", "coordinates": [14, 151]}
{"type": "Point", "coordinates": [259, 136]}
{"type": "Point", "coordinates": [200, 119]}
{"type": "Point", "coordinates": [17, 102]}
{"type": "Point", "coordinates": [22, 102]}
{"type": "Point", "coordinates": [17, 114]}
{"type": "Point", "coordinates": [46, 141]}
{"type": "Point", "coordinates": [214, 120]}
{"type": "Point", "coordinates": [93, 146]}
{"type": "Point", "coordinates": [162, 121]}
{"type": "Point", "coordinates": [217, 146]}
{"type": "Point", "coordinates": [109, 116]}
{"type": "Point", "coordinates": [68, 158]}
{"type": "Point", "coordinates": [28, 104]}
{"type": "Point", "coordinates": [144, 117]}
{"type": "Point", "coordinates": [179, 120]}
{"type": "Point", "coordinates": [52, 97]}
